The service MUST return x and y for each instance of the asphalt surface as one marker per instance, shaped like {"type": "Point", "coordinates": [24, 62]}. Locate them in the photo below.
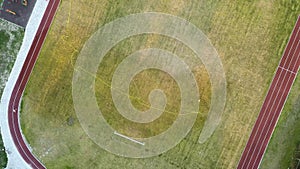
{"type": "Point", "coordinates": [13, 112]}
{"type": "Point", "coordinates": [274, 102]}
{"type": "Point", "coordinates": [22, 12]}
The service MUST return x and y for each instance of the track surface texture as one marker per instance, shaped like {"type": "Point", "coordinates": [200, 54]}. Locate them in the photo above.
{"type": "Point", "coordinates": [13, 116]}
{"type": "Point", "coordinates": [276, 97]}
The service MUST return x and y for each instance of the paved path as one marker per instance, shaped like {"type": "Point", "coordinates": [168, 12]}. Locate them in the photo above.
{"type": "Point", "coordinates": [274, 102]}
{"type": "Point", "coordinates": [15, 88]}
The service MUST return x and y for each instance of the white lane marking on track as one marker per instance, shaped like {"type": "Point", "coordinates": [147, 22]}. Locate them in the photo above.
{"type": "Point", "coordinates": [295, 27]}
{"type": "Point", "coordinates": [13, 121]}
{"type": "Point", "coordinates": [283, 84]}
{"type": "Point", "coordinates": [260, 120]}
{"type": "Point", "coordinates": [279, 114]}
{"type": "Point", "coordinates": [287, 70]}
{"type": "Point", "coordinates": [268, 116]}
{"type": "Point", "coordinates": [277, 106]}
{"type": "Point", "coordinates": [292, 45]}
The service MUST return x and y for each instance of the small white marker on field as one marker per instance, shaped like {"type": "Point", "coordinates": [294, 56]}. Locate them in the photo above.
{"type": "Point", "coordinates": [128, 138]}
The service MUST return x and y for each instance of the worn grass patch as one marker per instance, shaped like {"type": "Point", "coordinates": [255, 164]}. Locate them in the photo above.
{"type": "Point", "coordinates": [247, 36]}
{"type": "Point", "coordinates": [283, 144]}
{"type": "Point", "coordinates": [143, 83]}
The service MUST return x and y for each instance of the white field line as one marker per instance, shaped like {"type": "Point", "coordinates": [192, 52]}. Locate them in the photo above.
{"type": "Point", "coordinates": [26, 70]}
{"type": "Point", "coordinates": [128, 138]}
{"type": "Point", "coordinates": [281, 98]}
{"type": "Point", "coordinates": [281, 108]}
{"type": "Point", "coordinates": [287, 70]}
{"type": "Point", "coordinates": [15, 160]}
{"type": "Point", "coordinates": [260, 120]}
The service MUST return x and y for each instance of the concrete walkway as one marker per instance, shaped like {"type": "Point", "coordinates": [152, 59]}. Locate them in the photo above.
{"type": "Point", "coordinates": [14, 158]}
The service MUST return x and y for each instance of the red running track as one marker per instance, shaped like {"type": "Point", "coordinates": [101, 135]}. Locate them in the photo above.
{"type": "Point", "coordinates": [272, 107]}
{"type": "Point", "coordinates": [13, 116]}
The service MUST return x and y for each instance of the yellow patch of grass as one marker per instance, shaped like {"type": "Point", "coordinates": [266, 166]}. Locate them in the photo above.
{"type": "Point", "coordinates": [243, 34]}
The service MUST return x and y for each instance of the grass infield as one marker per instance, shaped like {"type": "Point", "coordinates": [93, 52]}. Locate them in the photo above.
{"type": "Point", "coordinates": [249, 36]}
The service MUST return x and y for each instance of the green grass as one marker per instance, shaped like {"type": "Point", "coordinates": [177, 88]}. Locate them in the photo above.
{"type": "Point", "coordinates": [3, 156]}
{"type": "Point", "coordinates": [248, 35]}
{"type": "Point", "coordinates": [4, 38]}
{"type": "Point", "coordinates": [142, 85]}
{"type": "Point", "coordinates": [285, 139]}
{"type": "Point", "coordinates": [10, 43]}
{"type": "Point", "coordinates": [284, 144]}
{"type": "Point", "coordinates": [1, 3]}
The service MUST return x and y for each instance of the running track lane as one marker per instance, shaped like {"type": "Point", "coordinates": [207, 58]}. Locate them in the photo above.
{"type": "Point", "coordinates": [13, 116]}
{"type": "Point", "coordinates": [272, 107]}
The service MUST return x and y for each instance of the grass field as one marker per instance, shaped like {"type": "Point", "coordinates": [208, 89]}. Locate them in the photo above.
{"type": "Point", "coordinates": [249, 37]}
{"type": "Point", "coordinates": [10, 43]}
{"type": "Point", "coordinates": [1, 2]}
{"type": "Point", "coordinates": [143, 84]}
{"type": "Point", "coordinates": [285, 141]}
